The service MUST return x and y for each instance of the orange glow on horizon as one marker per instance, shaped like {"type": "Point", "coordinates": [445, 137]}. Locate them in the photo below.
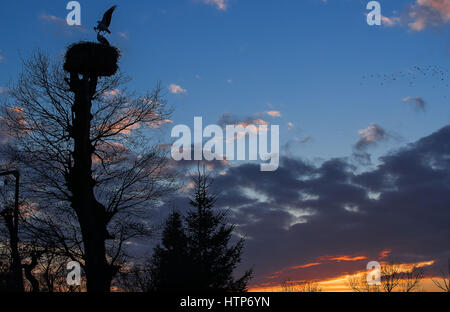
{"type": "Point", "coordinates": [340, 283]}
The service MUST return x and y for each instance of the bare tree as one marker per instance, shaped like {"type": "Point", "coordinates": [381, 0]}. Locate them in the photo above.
{"type": "Point", "coordinates": [390, 276]}
{"type": "Point", "coordinates": [358, 283]}
{"type": "Point", "coordinates": [410, 280]}
{"type": "Point", "coordinates": [52, 268]}
{"type": "Point", "coordinates": [93, 209]}
{"type": "Point", "coordinates": [393, 277]}
{"type": "Point", "coordinates": [136, 278]}
{"type": "Point", "coordinates": [304, 286]}
{"type": "Point", "coordinates": [443, 283]}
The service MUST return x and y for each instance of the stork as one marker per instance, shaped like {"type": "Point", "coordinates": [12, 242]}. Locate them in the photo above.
{"type": "Point", "coordinates": [102, 40]}
{"type": "Point", "coordinates": [103, 25]}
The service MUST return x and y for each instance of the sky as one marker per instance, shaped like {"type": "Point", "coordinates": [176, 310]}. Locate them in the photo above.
{"type": "Point", "coordinates": [363, 114]}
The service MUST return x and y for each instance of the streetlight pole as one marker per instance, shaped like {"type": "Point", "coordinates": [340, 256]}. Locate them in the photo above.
{"type": "Point", "coordinates": [12, 222]}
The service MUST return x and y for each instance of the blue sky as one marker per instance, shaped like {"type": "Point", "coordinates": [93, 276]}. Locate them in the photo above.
{"type": "Point", "coordinates": [310, 60]}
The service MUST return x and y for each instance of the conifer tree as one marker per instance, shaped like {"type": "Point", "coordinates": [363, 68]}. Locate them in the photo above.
{"type": "Point", "coordinates": [168, 264]}
{"type": "Point", "coordinates": [213, 256]}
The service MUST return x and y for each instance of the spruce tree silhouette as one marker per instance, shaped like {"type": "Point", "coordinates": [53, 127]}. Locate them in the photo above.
{"type": "Point", "coordinates": [212, 260]}
{"type": "Point", "coordinates": [168, 264]}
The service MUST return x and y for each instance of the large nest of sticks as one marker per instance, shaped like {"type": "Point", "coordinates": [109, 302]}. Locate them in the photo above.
{"type": "Point", "coordinates": [91, 58]}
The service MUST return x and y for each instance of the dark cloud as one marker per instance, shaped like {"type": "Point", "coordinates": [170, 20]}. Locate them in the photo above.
{"type": "Point", "coordinates": [230, 119]}
{"type": "Point", "coordinates": [416, 102]}
{"type": "Point", "coordinates": [307, 212]}
{"type": "Point", "coordinates": [304, 211]}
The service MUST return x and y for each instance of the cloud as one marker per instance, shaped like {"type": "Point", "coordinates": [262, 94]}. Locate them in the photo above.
{"type": "Point", "coordinates": [123, 35]}
{"type": "Point", "coordinates": [409, 211]}
{"type": "Point", "coordinates": [274, 113]}
{"type": "Point", "coordinates": [291, 126]}
{"type": "Point", "coordinates": [421, 15]}
{"type": "Point", "coordinates": [112, 92]}
{"type": "Point", "coordinates": [52, 18]}
{"type": "Point", "coordinates": [370, 136]}
{"type": "Point", "coordinates": [230, 119]}
{"type": "Point", "coordinates": [221, 5]}
{"type": "Point", "coordinates": [3, 90]}
{"type": "Point", "coordinates": [2, 59]}
{"type": "Point", "coordinates": [402, 206]}
{"type": "Point", "coordinates": [61, 23]}
{"type": "Point", "coordinates": [418, 103]}
{"type": "Point", "coordinates": [304, 266]}
{"type": "Point", "coordinates": [390, 21]}
{"type": "Point", "coordinates": [176, 89]}
{"type": "Point", "coordinates": [342, 258]}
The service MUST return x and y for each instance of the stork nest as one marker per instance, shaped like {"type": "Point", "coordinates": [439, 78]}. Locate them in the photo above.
{"type": "Point", "coordinates": [91, 58]}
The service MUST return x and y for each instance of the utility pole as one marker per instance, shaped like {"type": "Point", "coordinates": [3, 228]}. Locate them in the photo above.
{"type": "Point", "coordinates": [12, 223]}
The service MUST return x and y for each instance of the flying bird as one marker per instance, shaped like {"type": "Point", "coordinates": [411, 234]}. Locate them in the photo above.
{"type": "Point", "coordinates": [103, 25]}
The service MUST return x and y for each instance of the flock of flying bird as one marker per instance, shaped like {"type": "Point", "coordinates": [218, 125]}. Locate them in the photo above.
{"type": "Point", "coordinates": [438, 74]}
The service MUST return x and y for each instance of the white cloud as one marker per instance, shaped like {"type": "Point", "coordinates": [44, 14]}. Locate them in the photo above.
{"type": "Point", "coordinates": [390, 21]}
{"type": "Point", "coordinates": [51, 18]}
{"type": "Point", "coordinates": [123, 35]}
{"type": "Point", "coordinates": [176, 89]}
{"type": "Point", "coordinates": [274, 113]}
{"type": "Point", "coordinates": [219, 4]}
{"type": "Point", "coordinates": [370, 136]}
{"type": "Point", "coordinates": [61, 22]}
{"type": "Point", "coordinates": [421, 15]}
{"type": "Point", "coordinates": [112, 92]}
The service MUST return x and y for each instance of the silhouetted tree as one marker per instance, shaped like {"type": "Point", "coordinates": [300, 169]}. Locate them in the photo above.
{"type": "Point", "coordinates": [53, 271]}
{"type": "Point", "coordinates": [358, 283]}
{"type": "Point", "coordinates": [170, 264]}
{"type": "Point", "coordinates": [212, 256]}
{"type": "Point", "coordinates": [135, 278]}
{"type": "Point", "coordinates": [410, 280]}
{"type": "Point", "coordinates": [10, 215]}
{"type": "Point", "coordinates": [302, 286]}
{"type": "Point", "coordinates": [443, 282]}
{"type": "Point", "coordinates": [89, 205]}
{"type": "Point", "coordinates": [393, 277]}
{"type": "Point", "coordinates": [28, 268]}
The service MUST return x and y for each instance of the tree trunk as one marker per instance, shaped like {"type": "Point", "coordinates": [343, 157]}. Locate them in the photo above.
{"type": "Point", "coordinates": [16, 280]}
{"type": "Point", "coordinates": [28, 270]}
{"type": "Point", "coordinates": [90, 213]}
